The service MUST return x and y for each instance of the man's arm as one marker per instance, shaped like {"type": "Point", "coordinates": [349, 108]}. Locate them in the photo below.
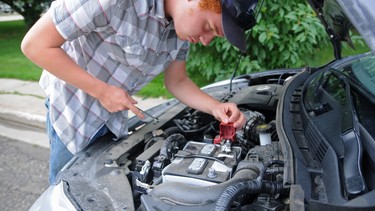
{"type": "Point", "coordinates": [42, 45]}
{"type": "Point", "coordinates": [180, 85]}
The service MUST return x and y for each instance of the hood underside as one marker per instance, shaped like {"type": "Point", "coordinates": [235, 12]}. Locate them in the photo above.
{"type": "Point", "coordinates": [338, 20]}
{"type": "Point", "coordinates": [362, 17]}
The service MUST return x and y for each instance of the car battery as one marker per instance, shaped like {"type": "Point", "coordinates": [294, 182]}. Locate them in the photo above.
{"type": "Point", "coordinates": [202, 164]}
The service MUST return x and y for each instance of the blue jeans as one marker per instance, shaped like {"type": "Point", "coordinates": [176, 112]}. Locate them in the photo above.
{"type": "Point", "coordinates": [59, 154]}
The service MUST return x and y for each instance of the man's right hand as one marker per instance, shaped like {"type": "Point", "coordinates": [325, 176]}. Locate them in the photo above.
{"type": "Point", "coordinates": [115, 99]}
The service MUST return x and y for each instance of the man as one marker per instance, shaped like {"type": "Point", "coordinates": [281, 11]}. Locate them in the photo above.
{"type": "Point", "coordinates": [97, 53]}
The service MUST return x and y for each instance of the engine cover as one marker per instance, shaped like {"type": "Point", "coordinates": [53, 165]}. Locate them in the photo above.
{"type": "Point", "coordinates": [202, 164]}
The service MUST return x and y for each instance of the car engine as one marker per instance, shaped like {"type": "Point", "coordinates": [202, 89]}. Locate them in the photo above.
{"type": "Point", "coordinates": [202, 164]}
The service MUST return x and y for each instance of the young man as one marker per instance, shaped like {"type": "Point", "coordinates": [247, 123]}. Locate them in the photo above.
{"type": "Point", "coordinates": [97, 53]}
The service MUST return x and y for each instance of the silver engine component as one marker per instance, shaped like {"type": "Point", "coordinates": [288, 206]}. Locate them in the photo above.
{"type": "Point", "coordinates": [201, 164]}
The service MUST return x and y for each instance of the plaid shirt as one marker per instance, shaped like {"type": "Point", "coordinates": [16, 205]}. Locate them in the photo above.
{"type": "Point", "coordinates": [125, 43]}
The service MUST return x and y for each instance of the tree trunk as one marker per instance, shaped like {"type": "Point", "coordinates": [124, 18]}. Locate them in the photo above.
{"type": "Point", "coordinates": [30, 17]}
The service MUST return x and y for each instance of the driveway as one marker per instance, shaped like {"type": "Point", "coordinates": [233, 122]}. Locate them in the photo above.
{"type": "Point", "coordinates": [23, 174]}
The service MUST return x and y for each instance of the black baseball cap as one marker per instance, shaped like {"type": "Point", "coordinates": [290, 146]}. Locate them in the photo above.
{"type": "Point", "coordinates": [238, 16]}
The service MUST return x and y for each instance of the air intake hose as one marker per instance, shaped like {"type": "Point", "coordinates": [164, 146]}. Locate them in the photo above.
{"type": "Point", "coordinates": [250, 187]}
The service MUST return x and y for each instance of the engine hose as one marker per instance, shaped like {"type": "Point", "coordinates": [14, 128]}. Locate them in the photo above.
{"type": "Point", "coordinates": [268, 164]}
{"type": "Point", "coordinates": [250, 187]}
{"type": "Point", "coordinates": [171, 130]}
{"type": "Point", "coordinates": [168, 144]}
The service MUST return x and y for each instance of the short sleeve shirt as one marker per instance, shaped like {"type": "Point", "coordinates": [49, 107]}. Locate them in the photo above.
{"type": "Point", "coordinates": [125, 43]}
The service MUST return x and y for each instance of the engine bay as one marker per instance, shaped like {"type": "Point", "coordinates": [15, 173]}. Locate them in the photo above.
{"type": "Point", "coordinates": [188, 160]}
{"type": "Point", "coordinates": [195, 162]}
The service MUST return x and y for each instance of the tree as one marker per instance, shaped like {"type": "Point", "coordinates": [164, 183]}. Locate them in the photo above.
{"type": "Point", "coordinates": [31, 10]}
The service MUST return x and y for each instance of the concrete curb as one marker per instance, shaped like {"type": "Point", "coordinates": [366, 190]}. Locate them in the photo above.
{"type": "Point", "coordinates": [20, 117]}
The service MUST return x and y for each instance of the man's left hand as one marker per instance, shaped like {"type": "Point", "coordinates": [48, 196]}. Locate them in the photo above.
{"type": "Point", "coordinates": [229, 112]}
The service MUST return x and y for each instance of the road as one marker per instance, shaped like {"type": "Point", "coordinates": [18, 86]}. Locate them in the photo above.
{"type": "Point", "coordinates": [23, 174]}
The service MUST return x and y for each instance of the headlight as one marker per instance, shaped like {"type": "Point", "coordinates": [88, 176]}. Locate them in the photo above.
{"type": "Point", "coordinates": [53, 198]}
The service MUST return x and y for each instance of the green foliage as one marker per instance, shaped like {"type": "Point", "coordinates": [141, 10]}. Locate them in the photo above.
{"type": "Point", "coordinates": [285, 32]}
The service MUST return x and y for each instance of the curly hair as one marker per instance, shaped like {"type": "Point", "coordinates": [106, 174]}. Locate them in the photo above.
{"type": "Point", "coordinates": [214, 5]}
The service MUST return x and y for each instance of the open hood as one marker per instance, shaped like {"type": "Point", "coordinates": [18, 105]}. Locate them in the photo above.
{"type": "Point", "coordinates": [338, 15]}
{"type": "Point", "coordinates": [362, 16]}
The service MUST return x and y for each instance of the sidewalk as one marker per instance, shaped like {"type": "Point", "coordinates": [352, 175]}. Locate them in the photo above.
{"type": "Point", "coordinates": [22, 111]}
{"type": "Point", "coordinates": [10, 17]}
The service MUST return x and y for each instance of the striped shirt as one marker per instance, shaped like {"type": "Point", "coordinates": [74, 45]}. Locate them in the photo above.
{"type": "Point", "coordinates": [125, 43]}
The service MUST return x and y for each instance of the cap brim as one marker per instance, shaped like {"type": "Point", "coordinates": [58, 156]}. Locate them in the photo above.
{"type": "Point", "coordinates": [234, 33]}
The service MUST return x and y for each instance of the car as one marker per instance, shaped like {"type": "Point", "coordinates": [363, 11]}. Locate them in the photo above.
{"type": "Point", "coordinates": [5, 8]}
{"type": "Point", "coordinates": [308, 142]}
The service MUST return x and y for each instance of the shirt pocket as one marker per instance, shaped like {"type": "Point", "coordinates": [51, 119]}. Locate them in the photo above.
{"type": "Point", "coordinates": [127, 52]}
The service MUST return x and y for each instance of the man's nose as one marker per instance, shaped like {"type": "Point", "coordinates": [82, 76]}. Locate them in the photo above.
{"type": "Point", "coordinates": [206, 39]}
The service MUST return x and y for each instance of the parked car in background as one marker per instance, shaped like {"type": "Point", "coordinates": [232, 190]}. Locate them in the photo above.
{"type": "Point", "coordinates": [308, 143]}
{"type": "Point", "coordinates": [5, 8]}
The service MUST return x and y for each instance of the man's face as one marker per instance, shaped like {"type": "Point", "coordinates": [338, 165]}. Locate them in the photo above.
{"type": "Point", "coordinates": [195, 25]}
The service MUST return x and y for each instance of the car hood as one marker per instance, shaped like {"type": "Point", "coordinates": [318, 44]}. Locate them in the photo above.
{"type": "Point", "coordinates": [338, 15]}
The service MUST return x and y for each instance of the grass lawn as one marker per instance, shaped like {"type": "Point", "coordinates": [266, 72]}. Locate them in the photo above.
{"type": "Point", "coordinates": [13, 64]}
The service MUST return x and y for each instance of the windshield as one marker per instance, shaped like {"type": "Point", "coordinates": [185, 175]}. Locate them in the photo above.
{"type": "Point", "coordinates": [326, 92]}
{"type": "Point", "coordinates": [362, 71]}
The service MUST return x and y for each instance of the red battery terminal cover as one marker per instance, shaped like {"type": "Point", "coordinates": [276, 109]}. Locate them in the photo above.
{"type": "Point", "coordinates": [227, 132]}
